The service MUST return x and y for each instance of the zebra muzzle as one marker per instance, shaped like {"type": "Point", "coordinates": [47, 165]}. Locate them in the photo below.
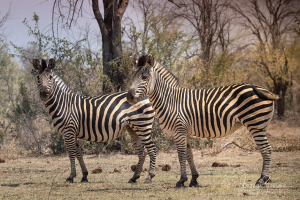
{"type": "Point", "coordinates": [43, 95]}
{"type": "Point", "coordinates": [131, 97]}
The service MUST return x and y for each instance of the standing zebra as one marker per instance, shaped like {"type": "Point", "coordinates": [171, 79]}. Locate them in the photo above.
{"type": "Point", "coordinates": [210, 113]}
{"type": "Point", "coordinates": [98, 119]}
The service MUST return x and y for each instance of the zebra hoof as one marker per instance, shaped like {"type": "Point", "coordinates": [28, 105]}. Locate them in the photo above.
{"type": "Point", "coordinates": [132, 181]}
{"type": "Point", "coordinates": [193, 184]}
{"type": "Point", "coordinates": [84, 180]}
{"type": "Point", "coordinates": [262, 181]}
{"type": "Point", "coordinates": [69, 180]}
{"type": "Point", "coordinates": [179, 184]}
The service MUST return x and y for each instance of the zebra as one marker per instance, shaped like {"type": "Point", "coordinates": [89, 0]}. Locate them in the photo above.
{"type": "Point", "coordinates": [205, 113]}
{"type": "Point", "coordinates": [97, 119]}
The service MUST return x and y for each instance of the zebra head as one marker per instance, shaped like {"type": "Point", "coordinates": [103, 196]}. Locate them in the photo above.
{"type": "Point", "coordinates": [44, 76]}
{"type": "Point", "coordinates": [144, 79]}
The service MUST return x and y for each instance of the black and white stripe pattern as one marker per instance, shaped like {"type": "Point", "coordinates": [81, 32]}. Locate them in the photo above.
{"type": "Point", "coordinates": [210, 113]}
{"type": "Point", "coordinates": [98, 119]}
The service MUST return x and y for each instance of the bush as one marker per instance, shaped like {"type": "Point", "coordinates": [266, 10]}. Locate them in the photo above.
{"type": "Point", "coordinates": [57, 143]}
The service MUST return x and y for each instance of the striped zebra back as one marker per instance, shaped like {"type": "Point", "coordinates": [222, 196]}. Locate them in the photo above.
{"type": "Point", "coordinates": [99, 118]}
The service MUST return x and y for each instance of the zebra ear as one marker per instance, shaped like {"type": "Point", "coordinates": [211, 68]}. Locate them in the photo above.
{"type": "Point", "coordinates": [34, 72]}
{"type": "Point", "coordinates": [51, 64]}
{"type": "Point", "coordinates": [36, 64]}
{"type": "Point", "coordinates": [150, 60]}
{"type": "Point", "coordinates": [134, 61]}
{"type": "Point", "coordinates": [44, 64]}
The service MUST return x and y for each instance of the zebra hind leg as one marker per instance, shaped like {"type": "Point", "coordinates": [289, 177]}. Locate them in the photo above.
{"type": "Point", "coordinates": [190, 159]}
{"type": "Point", "coordinates": [181, 144]}
{"type": "Point", "coordinates": [70, 141]}
{"type": "Point", "coordinates": [266, 150]}
{"type": "Point", "coordinates": [151, 149]}
{"type": "Point", "coordinates": [81, 162]}
{"type": "Point", "coordinates": [141, 154]}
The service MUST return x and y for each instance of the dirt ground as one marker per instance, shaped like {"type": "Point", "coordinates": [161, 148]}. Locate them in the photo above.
{"type": "Point", "coordinates": [44, 177]}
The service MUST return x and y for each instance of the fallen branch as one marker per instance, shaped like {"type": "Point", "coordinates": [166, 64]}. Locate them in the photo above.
{"type": "Point", "coordinates": [233, 142]}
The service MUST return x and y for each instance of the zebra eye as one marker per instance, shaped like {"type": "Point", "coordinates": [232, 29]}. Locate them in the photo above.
{"type": "Point", "coordinates": [144, 77]}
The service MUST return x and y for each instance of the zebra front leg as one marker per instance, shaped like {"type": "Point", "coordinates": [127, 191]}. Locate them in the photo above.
{"type": "Point", "coordinates": [181, 144]}
{"type": "Point", "coordinates": [70, 140]}
{"type": "Point", "coordinates": [266, 150]}
{"type": "Point", "coordinates": [81, 162]}
{"type": "Point", "coordinates": [190, 159]}
{"type": "Point", "coordinates": [141, 155]}
{"type": "Point", "coordinates": [151, 149]}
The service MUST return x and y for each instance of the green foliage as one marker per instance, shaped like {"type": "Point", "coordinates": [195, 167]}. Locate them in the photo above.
{"type": "Point", "coordinates": [8, 77]}
{"type": "Point", "coordinates": [97, 148]}
{"type": "Point", "coordinates": [24, 104]}
{"type": "Point", "coordinates": [5, 129]}
{"type": "Point", "coordinates": [47, 45]}
{"type": "Point", "coordinates": [56, 143]}
{"type": "Point", "coordinates": [220, 67]}
{"type": "Point", "coordinates": [219, 74]}
{"type": "Point", "coordinates": [164, 38]}
{"type": "Point", "coordinates": [166, 42]}
{"type": "Point", "coordinates": [161, 139]}
{"type": "Point", "coordinates": [8, 80]}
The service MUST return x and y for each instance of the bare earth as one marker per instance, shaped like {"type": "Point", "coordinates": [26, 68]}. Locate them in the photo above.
{"type": "Point", "coordinates": [44, 177]}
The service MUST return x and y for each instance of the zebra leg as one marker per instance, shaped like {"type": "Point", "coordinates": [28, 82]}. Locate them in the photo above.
{"type": "Point", "coordinates": [181, 144]}
{"type": "Point", "coordinates": [190, 160]}
{"type": "Point", "coordinates": [151, 149]}
{"type": "Point", "coordinates": [266, 150]}
{"type": "Point", "coordinates": [70, 140]}
{"type": "Point", "coordinates": [141, 154]}
{"type": "Point", "coordinates": [81, 162]}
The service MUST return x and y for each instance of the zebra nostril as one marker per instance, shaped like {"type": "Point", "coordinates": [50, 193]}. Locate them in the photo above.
{"type": "Point", "coordinates": [43, 95]}
{"type": "Point", "coordinates": [131, 92]}
{"type": "Point", "coordinates": [129, 96]}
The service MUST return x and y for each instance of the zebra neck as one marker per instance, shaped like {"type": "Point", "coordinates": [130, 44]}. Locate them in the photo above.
{"type": "Point", "coordinates": [59, 100]}
{"type": "Point", "coordinates": [163, 91]}
{"type": "Point", "coordinates": [168, 76]}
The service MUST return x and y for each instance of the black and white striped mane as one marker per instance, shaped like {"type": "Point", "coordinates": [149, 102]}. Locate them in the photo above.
{"type": "Point", "coordinates": [61, 84]}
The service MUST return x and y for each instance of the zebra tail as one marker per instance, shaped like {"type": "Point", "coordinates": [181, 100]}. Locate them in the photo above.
{"type": "Point", "coordinates": [265, 94]}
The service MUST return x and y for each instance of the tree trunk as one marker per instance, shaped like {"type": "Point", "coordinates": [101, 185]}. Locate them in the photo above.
{"type": "Point", "coordinates": [280, 89]}
{"type": "Point", "coordinates": [110, 28]}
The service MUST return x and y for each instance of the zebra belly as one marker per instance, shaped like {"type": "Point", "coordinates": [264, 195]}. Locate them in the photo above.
{"type": "Point", "coordinates": [206, 132]}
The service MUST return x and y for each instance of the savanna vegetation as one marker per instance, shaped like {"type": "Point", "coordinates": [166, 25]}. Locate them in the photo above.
{"type": "Point", "coordinates": [205, 43]}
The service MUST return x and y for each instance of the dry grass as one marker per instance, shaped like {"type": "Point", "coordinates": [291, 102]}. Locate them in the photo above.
{"type": "Point", "coordinates": [44, 177]}
{"type": "Point", "coordinates": [37, 179]}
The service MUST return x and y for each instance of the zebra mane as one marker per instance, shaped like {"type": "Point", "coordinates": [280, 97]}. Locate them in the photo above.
{"type": "Point", "coordinates": [168, 76]}
{"type": "Point", "coordinates": [60, 83]}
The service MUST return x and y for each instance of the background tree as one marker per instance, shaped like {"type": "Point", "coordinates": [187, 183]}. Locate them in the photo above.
{"type": "Point", "coordinates": [110, 27]}
{"type": "Point", "coordinates": [8, 72]}
{"type": "Point", "coordinates": [269, 22]}
{"type": "Point", "coordinates": [208, 20]}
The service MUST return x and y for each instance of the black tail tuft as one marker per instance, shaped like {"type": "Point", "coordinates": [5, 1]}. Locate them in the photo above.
{"type": "Point", "coordinates": [264, 94]}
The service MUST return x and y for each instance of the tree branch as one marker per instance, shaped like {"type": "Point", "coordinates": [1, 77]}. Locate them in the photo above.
{"type": "Point", "coordinates": [174, 3]}
{"type": "Point", "coordinates": [99, 17]}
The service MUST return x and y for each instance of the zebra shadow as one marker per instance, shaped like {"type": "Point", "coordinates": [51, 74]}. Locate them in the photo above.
{"type": "Point", "coordinates": [111, 189]}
